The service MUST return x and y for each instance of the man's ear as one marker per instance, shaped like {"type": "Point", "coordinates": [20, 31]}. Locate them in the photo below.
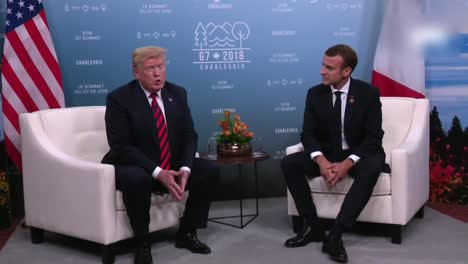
{"type": "Point", "coordinates": [347, 71]}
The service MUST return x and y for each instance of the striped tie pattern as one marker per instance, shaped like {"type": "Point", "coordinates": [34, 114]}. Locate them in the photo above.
{"type": "Point", "coordinates": [162, 133]}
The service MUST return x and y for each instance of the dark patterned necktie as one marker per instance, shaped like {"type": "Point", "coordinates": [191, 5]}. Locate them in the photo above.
{"type": "Point", "coordinates": [337, 120]}
{"type": "Point", "coordinates": [162, 133]}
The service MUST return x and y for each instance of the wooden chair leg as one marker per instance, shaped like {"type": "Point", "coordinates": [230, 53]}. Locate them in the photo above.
{"type": "Point", "coordinates": [107, 254]}
{"type": "Point", "coordinates": [420, 213]}
{"type": "Point", "coordinates": [396, 234]}
{"type": "Point", "coordinates": [297, 222]}
{"type": "Point", "coordinates": [37, 235]}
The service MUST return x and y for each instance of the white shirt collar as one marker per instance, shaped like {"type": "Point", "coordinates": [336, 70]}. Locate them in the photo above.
{"type": "Point", "coordinates": [148, 93]}
{"type": "Point", "coordinates": [344, 89]}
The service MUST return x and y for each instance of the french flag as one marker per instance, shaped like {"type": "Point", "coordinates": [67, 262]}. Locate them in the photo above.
{"type": "Point", "coordinates": [399, 58]}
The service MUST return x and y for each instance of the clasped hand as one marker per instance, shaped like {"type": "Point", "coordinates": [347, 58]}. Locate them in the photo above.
{"type": "Point", "coordinates": [333, 173]}
{"type": "Point", "coordinates": [174, 181]}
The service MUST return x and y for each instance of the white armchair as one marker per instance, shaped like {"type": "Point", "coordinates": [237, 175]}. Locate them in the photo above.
{"type": "Point", "coordinates": [398, 195]}
{"type": "Point", "coordinates": [66, 188]}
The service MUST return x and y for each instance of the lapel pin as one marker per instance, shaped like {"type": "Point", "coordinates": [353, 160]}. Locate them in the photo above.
{"type": "Point", "coordinates": [351, 99]}
{"type": "Point", "coordinates": [170, 99]}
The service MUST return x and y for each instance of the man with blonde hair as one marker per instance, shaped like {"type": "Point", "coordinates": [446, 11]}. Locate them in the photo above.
{"type": "Point", "coordinates": [152, 147]}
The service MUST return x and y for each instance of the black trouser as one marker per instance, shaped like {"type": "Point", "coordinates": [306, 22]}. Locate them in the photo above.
{"type": "Point", "coordinates": [137, 186]}
{"type": "Point", "coordinates": [365, 173]}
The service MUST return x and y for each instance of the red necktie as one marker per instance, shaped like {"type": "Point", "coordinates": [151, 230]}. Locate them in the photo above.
{"type": "Point", "coordinates": [162, 133]}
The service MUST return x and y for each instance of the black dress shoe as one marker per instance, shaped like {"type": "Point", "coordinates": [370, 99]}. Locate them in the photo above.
{"type": "Point", "coordinates": [333, 246]}
{"type": "Point", "coordinates": [307, 235]}
{"type": "Point", "coordinates": [190, 241]}
{"type": "Point", "coordinates": [143, 254]}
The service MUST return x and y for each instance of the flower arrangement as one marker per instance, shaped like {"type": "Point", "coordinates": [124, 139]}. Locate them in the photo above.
{"type": "Point", "coordinates": [234, 131]}
{"type": "Point", "coordinates": [4, 193]}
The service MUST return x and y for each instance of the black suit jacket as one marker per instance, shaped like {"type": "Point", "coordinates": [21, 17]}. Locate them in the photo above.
{"type": "Point", "coordinates": [362, 121]}
{"type": "Point", "coordinates": [132, 132]}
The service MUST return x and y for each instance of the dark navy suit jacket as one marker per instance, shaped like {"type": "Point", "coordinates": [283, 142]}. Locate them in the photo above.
{"type": "Point", "coordinates": [362, 121]}
{"type": "Point", "coordinates": [132, 132]}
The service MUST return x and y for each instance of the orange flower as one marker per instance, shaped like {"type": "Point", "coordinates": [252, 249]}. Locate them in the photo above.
{"type": "Point", "coordinates": [223, 125]}
{"type": "Point", "coordinates": [226, 114]}
{"type": "Point", "coordinates": [237, 129]}
{"type": "Point", "coordinates": [248, 134]}
{"type": "Point", "coordinates": [234, 131]}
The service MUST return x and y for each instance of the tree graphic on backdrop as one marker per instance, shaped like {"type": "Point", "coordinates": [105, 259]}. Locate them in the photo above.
{"type": "Point", "coordinates": [240, 31]}
{"type": "Point", "coordinates": [200, 36]}
{"type": "Point", "coordinates": [448, 159]}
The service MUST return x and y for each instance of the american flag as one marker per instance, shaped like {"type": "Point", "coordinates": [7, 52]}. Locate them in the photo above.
{"type": "Point", "coordinates": [31, 77]}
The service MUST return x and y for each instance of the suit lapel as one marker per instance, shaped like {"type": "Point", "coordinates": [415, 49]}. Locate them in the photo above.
{"type": "Point", "coordinates": [142, 106]}
{"type": "Point", "coordinates": [169, 108]}
{"type": "Point", "coordinates": [328, 100]}
{"type": "Point", "coordinates": [350, 105]}
{"type": "Point", "coordinates": [168, 104]}
{"type": "Point", "coordinates": [327, 105]}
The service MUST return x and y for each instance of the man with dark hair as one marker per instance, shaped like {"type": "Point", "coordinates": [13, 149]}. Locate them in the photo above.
{"type": "Point", "coordinates": [342, 135]}
{"type": "Point", "coordinates": [152, 147]}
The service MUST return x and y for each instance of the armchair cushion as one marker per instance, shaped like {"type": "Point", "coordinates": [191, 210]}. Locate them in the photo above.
{"type": "Point", "coordinates": [318, 185]}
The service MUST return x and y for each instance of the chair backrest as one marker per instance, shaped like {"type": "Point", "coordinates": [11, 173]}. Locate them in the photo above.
{"type": "Point", "coordinates": [77, 131]}
{"type": "Point", "coordinates": [80, 131]}
{"type": "Point", "coordinates": [397, 117]}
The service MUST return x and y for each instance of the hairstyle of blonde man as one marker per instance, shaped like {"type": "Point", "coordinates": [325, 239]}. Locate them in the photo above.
{"type": "Point", "coordinates": [142, 54]}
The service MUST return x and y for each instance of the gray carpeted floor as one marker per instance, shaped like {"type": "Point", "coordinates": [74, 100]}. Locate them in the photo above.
{"type": "Point", "coordinates": [436, 238]}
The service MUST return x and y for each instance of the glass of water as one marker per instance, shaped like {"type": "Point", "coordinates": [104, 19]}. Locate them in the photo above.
{"type": "Point", "coordinates": [257, 146]}
{"type": "Point", "coordinates": [212, 148]}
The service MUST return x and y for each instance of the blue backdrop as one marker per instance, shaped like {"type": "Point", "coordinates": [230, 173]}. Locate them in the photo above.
{"type": "Point", "coordinates": [256, 58]}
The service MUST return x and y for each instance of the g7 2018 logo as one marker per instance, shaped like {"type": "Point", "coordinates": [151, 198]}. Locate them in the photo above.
{"type": "Point", "coordinates": [221, 47]}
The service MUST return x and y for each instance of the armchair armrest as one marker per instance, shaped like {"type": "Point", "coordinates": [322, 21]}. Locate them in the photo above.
{"type": "Point", "coordinates": [410, 167]}
{"type": "Point", "coordinates": [63, 193]}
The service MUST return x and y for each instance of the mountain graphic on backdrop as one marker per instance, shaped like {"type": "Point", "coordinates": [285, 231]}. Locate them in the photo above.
{"type": "Point", "coordinates": [220, 35]}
